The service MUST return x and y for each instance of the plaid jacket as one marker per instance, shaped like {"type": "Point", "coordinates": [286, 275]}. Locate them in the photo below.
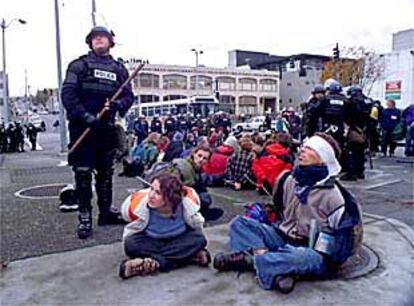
{"type": "Point", "coordinates": [239, 165]}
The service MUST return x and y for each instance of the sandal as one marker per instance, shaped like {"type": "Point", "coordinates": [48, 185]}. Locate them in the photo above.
{"type": "Point", "coordinates": [138, 266]}
{"type": "Point", "coordinates": [203, 258]}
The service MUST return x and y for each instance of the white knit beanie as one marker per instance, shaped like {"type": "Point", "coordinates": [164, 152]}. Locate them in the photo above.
{"type": "Point", "coordinates": [325, 152]}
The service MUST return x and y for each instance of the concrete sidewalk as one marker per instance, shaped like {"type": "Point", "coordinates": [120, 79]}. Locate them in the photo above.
{"type": "Point", "coordinates": [89, 277]}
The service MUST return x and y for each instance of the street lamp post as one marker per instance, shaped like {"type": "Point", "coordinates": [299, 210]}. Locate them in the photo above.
{"type": "Point", "coordinates": [4, 26]}
{"type": "Point", "coordinates": [62, 121]}
{"type": "Point", "coordinates": [197, 52]}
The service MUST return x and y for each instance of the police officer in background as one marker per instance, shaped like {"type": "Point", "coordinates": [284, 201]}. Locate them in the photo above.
{"type": "Point", "coordinates": [90, 81]}
{"type": "Point", "coordinates": [182, 124]}
{"type": "Point", "coordinates": [354, 153]}
{"type": "Point", "coordinates": [141, 129]}
{"type": "Point", "coordinates": [156, 125]}
{"type": "Point", "coordinates": [311, 111]}
{"type": "Point", "coordinates": [19, 137]}
{"type": "Point", "coordinates": [334, 111]}
{"type": "Point", "coordinates": [3, 138]}
{"type": "Point", "coordinates": [169, 125]}
{"type": "Point", "coordinates": [31, 133]}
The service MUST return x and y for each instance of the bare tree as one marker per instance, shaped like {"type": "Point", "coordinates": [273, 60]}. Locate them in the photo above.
{"type": "Point", "coordinates": [357, 65]}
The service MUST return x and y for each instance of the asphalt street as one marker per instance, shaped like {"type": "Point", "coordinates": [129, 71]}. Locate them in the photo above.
{"type": "Point", "coordinates": [32, 227]}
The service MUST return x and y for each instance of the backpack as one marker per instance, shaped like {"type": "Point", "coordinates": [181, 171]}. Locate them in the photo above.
{"type": "Point", "coordinates": [348, 235]}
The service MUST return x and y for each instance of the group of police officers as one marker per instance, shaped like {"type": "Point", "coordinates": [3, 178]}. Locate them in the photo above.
{"type": "Point", "coordinates": [345, 118]}
{"type": "Point", "coordinates": [183, 123]}
{"type": "Point", "coordinates": [92, 79]}
{"type": "Point", "coordinates": [12, 137]}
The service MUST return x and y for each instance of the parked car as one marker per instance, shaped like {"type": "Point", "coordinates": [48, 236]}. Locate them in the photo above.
{"type": "Point", "coordinates": [252, 124]}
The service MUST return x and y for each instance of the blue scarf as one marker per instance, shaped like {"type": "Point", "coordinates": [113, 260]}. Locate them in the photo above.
{"type": "Point", "coordinates": [306, 177]}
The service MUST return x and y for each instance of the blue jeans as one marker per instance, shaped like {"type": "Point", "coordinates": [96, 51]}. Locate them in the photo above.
{"type": "Point", "coordinates": [282, 258]}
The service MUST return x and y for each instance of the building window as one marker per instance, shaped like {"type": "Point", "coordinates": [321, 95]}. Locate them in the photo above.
{"type": "Point", "coordinates": [280, 101]}
{"type": "Point", "coordinates": [247, 84]}
{"type": "Point", "coordinates": [290, 101]}
{"type": "Point", "coordinates": [268, 85]}
{"type": "Point", "coordinates": [289, 84]}
{"type": "Point", "coordinates": [227, 104]}
{"type": "Point", "coordinates": [147, 80]}
{"type": "Point", "coordinates": [248, 105]}
{"type": "Point", "coordinates": [307, 83]}
{"type": "Point", "coordinates": [204, 82]}
{"type": "Point", "coordinates": [174, 81]}
{"type": "Point", "coordinates": [226, 83]}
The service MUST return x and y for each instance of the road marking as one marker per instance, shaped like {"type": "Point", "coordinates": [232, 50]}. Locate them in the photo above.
{"type": "Point", "coordinates": [383, 184]}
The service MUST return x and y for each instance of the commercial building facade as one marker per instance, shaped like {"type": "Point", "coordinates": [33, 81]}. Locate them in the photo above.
{"type": "Point", "coordinates": [397, 81]}
{"type": "Point", "coordinates": [240, 91]}
{"type": "Point", "coordinates": [298, 73]}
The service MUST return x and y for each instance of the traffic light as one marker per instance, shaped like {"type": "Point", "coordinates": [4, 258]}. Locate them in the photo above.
{"type": "Point", "coordinates": [336, 52]}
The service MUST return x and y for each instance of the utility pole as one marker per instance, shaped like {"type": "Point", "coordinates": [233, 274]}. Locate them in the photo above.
{"type": "Point", "coordinates": [93, 13]}
{"type": "Point", "coordinates": [197, 52]}
{"type": "Point", "coordinates": [4, 26]}
{"type": "Point", "coordinates": [62, 120]}
{"type": "Point", "coordinates": [336, 59]}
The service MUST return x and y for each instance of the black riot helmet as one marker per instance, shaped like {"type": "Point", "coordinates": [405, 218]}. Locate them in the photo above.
{"type": "Point", "coordinates": [100, 30]}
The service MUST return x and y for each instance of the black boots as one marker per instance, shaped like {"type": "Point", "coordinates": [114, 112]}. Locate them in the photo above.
{"type": "Point", "coordinates": [85, 224]}
{"type": "Point", "coordinates": [110, 218]}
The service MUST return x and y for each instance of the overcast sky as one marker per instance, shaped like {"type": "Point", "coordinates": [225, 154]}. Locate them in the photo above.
{"type": "Point", "coordinates": [164, 31]}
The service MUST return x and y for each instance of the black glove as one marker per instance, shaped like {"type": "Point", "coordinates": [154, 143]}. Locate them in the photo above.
{"type": "Point", "coordinates": [113, 106]}
{"type": "Point", "coordinates": [90, 120]}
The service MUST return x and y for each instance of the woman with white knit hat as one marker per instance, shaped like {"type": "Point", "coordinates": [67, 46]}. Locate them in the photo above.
{"type": "Point", "coordinates": [311, 205]}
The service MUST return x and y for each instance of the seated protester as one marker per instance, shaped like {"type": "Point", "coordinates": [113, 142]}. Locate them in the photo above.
{"type": "Point", "coordinates": [215, 168]}
{"type": "Point", "coordinates": [162, 146]}
{"type": "Point", "coordinates": [189, 170]}
{"type": "Point", "coordinates": [175, 148]}
{"type": "Point", "coordinates": [258, 144]}
{"type": "Point", "coordinates": [238, 172]}
{"type": "Point", "coordinates": [275, 159]}
{"type": "Point", "coordinates": [165, 229]}
{"type": "Point", "coordinates": [142, 156]}
{"type": "Point", "coordinates": [312, 201]}
{"type": "Point", "coordinates": [212, 138]}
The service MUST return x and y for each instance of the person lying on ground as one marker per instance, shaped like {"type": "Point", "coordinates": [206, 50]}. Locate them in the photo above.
{"type": "Point", "coordinates": [165, 229]}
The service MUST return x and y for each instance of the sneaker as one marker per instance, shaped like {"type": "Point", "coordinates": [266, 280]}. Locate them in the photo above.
{"type": "Point", "coordinates": [202, 258]}
{"type": "Point", "coordinates": [110, 218]}
{"type": "Point", "coordinates": [212, 214]}
{"type": "Point", "coordinates": [138, 266]}
{"type": "Point", "coordinates": [235, 261]}
{"type": "Point", "coordinates": [284, 284]}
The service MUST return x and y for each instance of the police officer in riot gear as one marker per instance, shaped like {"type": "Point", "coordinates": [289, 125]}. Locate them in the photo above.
{"type": "Point", "coordinates": [3, 139]}
{"type": "Point", "coordinates": [169, 124]}
{"type": "Point", "coordinates": [156, 125]}
{"type": "Point", "coordinates": [354, 153]}
{"type": "Point", "coordinates": [31, 133]}
{"type": "Point", "coordinates": [90, 81]}
{"type": "Point", "coordinates": [334, 111]}
{"type": "Point", "coordinates": [311, 111]}
{"type": "Point", "coordinates": [141, 129]}
{"type": "Point", "coordinates": [19, 137]}
{"type": "Point", "coordinates": [182, 124]}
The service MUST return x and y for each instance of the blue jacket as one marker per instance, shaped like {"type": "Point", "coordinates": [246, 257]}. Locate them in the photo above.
{"type": "Point", "coordinates": [390, 118]}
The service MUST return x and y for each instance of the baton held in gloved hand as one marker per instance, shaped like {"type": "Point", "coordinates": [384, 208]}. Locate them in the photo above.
{"type": "Point", "coordinates": [104, 110]}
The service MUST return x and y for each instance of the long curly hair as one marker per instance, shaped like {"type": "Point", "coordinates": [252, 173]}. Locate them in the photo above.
{"type": "Point", "coordinates": [171, 189]}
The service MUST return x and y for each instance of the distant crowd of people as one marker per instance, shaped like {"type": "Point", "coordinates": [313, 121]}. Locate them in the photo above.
{"type": "Point", "coordinates": [13, 136]}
